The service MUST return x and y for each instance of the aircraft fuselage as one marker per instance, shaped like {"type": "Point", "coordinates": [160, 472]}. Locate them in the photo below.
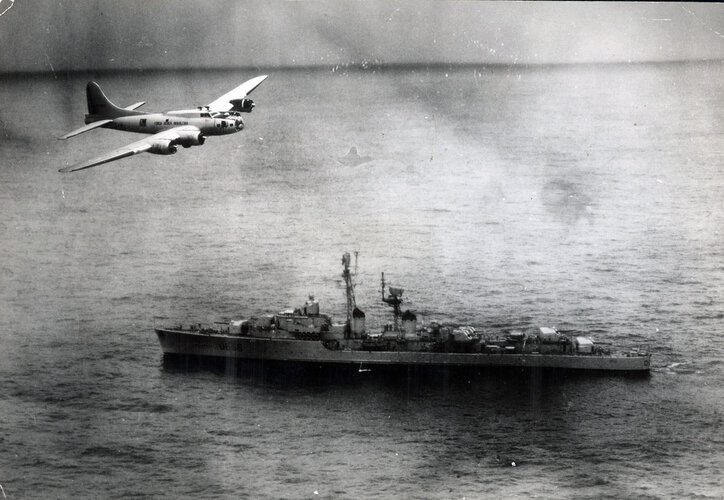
{"type": "Point", "coordinates": [153, 123]}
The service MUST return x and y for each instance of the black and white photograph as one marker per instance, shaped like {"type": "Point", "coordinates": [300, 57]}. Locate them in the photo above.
{"type": "Point", "coordinates": [333, 249]}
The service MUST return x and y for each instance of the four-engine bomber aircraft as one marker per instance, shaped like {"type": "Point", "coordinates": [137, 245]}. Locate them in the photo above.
{"type": "Point", "coordinates": [187, 127]}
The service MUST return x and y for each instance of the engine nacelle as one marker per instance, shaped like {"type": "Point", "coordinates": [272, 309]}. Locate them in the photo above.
{"type": "Point", "coordinates": [242, 105]}
{"type": "Point", "coordinates": [163, 147]}
{"type": "Point", "coordinates": [189, 139]}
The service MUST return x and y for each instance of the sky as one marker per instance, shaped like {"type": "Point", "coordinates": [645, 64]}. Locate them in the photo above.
{"type": "Point", "coordinates": [61, 35]}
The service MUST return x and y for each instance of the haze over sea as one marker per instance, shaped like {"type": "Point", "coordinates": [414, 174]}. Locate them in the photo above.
{"type": "Point", "coordinates": [583, 197]}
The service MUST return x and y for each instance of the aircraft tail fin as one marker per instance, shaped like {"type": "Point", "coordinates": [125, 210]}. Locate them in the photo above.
{"type": "Point", "coordinates": [100, 107]}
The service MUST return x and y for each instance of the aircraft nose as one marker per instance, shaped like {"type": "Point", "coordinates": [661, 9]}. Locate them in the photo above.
{"type": "Point", "coordinates": [239, 124]}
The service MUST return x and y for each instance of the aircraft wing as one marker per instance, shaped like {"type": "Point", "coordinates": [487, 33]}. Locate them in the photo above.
{"type": "Point", "coordinates": [224, 103]}
{"type": "Point", "coordinates": [133, 149]}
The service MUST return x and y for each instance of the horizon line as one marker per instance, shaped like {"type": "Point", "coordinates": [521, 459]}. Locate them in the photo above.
{"type": "Point", "coordinates": [349, 66]}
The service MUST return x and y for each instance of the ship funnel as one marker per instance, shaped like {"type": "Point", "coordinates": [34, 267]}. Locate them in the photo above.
{"type": "Point", "coordinates": [358, 322]}
{"type": "Point", "coordinates": [409, 323]}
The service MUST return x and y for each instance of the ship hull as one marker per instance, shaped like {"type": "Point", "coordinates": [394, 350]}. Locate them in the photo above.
{"type": "Point", "coordinates": [192, 343]}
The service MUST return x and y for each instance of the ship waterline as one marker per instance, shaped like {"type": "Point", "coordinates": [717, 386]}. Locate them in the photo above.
{"type": "Point", "coordinates": [190, 343]}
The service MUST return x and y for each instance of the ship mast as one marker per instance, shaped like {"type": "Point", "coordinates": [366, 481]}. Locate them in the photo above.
{"type": "Point", "coordinates": [394, 299]}
{"type": "Point", "coordinates": [349, 287]}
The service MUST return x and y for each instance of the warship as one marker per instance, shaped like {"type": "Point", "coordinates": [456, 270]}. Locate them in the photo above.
{"type": "Point", "coordinates": [305, 335]}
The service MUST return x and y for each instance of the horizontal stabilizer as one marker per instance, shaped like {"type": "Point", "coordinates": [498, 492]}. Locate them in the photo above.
{"type": "Point", "coordinates": [135, 106]}
{"type": "Point", "coordinates": [86, 128]}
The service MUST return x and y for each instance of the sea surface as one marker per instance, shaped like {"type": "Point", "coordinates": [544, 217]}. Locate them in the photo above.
{"type": "Point", "coordinates": [583, 197]}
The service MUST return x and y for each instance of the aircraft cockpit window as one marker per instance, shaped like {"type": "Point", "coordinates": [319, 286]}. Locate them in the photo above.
{"type": "Point", "coordinates": [205, 115]}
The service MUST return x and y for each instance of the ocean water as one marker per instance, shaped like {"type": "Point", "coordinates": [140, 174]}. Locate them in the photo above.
{"type": "Point", "coordinates": [583, 197]}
